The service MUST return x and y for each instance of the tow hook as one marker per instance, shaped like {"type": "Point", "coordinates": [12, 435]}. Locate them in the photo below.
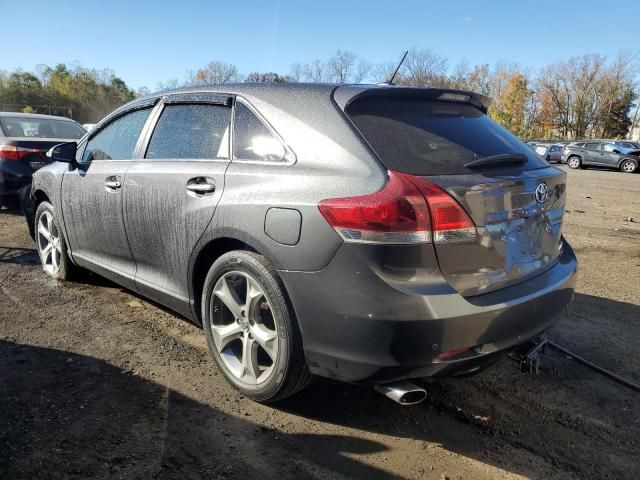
{"type": "Point", "coordinates": [530, 361]}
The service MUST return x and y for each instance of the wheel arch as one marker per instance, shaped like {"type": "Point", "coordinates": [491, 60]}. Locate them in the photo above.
{"type": "Point", "coordinates": [624, 159]}
{"type": "Point", "coordinates": [202, 261]}
{"type": "Point", "coordinates": [37, 197]}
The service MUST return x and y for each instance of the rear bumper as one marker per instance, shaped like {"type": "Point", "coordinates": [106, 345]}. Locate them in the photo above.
{"type": "Point", "coordinates": [14, 175]}
{"type": "Point", "coordinates": [366, 322]}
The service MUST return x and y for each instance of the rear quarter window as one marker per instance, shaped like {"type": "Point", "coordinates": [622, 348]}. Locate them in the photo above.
{"type": "Point", "coordinates": [427, 137]}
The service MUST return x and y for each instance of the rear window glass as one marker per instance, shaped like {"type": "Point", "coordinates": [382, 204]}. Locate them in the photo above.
{"type": "Point", "coordinates": [191, 131]}
{"type": "Point", "coordinates": [41, 128]}
{"type": "Point", "coordinates": [426, 137]}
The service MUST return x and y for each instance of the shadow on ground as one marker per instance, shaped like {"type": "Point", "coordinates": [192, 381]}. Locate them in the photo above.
{"type": "Point", "coordinates": [72, 416]}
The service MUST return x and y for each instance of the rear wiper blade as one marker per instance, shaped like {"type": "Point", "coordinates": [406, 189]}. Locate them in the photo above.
{"type": "Point", "coordinates": [495, 160]}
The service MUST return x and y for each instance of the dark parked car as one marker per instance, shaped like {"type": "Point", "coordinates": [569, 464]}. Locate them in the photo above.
{"type": "Point", "coordinates": [24, 140]}
{"type": "Point", "coordinates": [367, 234]}
{"type": "Point", "coordinates": [601, 154]}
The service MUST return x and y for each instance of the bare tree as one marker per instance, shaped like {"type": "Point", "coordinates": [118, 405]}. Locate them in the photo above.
{"type": "Point", "coordinates": [315, 72]}
{"type": "Point", "coordinates": [269, 77]}
{"type": "Point", "coordinates": [382, 72]}
{"type": "Point", "coordinates": [214, 73]}
{"type": "Point", "coordinates": [297, 72]}
{"type": "Point", "coordinates": [424, 68]}
{"type": "Point", "coordinates": [168, 84]}
{"type": "Point", "coordinates": [459, 78]}
{"type": "Point", "coordinates": [362, 71]}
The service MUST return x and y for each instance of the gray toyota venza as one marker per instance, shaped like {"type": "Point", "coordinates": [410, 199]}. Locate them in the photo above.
{"type": "Point", "coordinates": [370, 234]}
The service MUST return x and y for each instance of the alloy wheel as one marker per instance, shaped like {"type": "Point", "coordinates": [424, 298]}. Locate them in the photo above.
{"type": "Point", "coordinates": [49, 243]}
{"type": "Point", "coordinates": [243, 328]}
{"type": "Point", "coordinates": [574, 163]}
{"type": "Point", "coordinates": [628, 167]}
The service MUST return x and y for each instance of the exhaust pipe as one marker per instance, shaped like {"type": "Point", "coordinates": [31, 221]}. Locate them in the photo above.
{"type": "Point", "coordinates": [403, 392]}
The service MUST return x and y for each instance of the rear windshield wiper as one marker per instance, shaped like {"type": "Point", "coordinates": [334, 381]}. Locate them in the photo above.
{"type": "Point", "coordinates": [495, 160]}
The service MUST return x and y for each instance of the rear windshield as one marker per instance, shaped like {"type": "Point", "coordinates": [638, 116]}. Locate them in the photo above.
{"type": "Point", "coordinates": [40, 128]}
{"type": "Point", "coordinates": [427, 137]}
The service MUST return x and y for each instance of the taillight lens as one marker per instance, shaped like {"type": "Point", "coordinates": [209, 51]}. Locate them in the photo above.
{"type": "Point", "coordinates": [449, 220]}
{"type": "Point", "coordinates": [11, 152]}
{"type": "Point", "coordinates": [407, 210]}
{"type": "Point", "coordinates": [396, 214]}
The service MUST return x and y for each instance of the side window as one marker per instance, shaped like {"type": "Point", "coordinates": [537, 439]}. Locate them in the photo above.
{"type": "Point", "coordinates": [591, 146]}
{"type": "Point", "coordinates": [191, 131]}
{"type": "Point", "coordinates": [607, 147]}
{"type": "Point", "coordinates": [252, 140]}
{"type": "Point", "coordinates": [118, 139]}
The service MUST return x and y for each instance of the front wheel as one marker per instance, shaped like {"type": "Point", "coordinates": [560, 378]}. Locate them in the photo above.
{"type": "Point", "coordinates": [51, 245]}
{"type": "Point", "coordinates": [628, 166]}
{"type": "Point", "coordinates": [251, 328]}
{"type": "Point", "coordinates": [574, 162]}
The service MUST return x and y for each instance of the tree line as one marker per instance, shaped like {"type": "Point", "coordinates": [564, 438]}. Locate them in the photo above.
{"type": "Point", "coordinates": [85, 95]}
{"type": "Point", "coordinates": [590, 96]}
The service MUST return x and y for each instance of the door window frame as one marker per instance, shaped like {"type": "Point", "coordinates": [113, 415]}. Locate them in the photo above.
{"type": "Point", "coordinates": [151, 104]}
{"type": "Point", "coordinates": [201, 98]}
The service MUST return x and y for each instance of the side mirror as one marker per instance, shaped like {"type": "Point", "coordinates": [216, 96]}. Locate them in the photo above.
{"type": "Point", "coordinates": [615, 150]}
{"type": "Point", "coordinates": [63, 152]}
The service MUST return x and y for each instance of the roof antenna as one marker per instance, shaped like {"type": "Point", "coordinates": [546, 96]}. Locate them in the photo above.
{"type": "Point", "coordinates": [390, 81]}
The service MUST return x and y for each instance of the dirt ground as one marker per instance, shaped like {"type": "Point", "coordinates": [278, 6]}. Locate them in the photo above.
{"type": "Point", "coordinates": [97, 382]}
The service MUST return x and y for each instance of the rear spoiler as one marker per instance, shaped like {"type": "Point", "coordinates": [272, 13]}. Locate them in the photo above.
{"type": "Point", "coordinates": [344, 95]}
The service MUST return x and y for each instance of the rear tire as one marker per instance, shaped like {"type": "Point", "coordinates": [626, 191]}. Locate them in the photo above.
{"type": "Point", "coordinates": [628, 166]}
{"type": "Point", "coordinates": [574, 162]}
{"type": "Point", "coordinates": [51, 244]}
{"type": "Point", "coordinates": [251, 328]}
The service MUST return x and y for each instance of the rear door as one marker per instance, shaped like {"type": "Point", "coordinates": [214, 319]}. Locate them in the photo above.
{"type": "Point", "coordinates": [92, 200]}
{"type": "Point", "coordinates": [517, 207]}
{"type": "Point", "coordinates": [592, 153]}
{"type": "Point", "coordinates": [609, 157]}
{"type": "Point", "coordinates": [171, 191]}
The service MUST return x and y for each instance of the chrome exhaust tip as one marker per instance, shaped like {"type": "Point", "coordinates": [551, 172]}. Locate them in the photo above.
{"type": "Point", "coordinates": [403, 392]}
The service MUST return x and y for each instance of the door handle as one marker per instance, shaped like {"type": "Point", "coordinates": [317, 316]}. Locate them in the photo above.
{"type": "Point", "coordinates": [113, 183]}
{"type": "Point", "coordinates": [201, 186]}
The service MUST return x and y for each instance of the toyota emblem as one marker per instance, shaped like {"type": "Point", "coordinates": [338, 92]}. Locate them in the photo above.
{"type": "Point", "coordinates": [542, 193]}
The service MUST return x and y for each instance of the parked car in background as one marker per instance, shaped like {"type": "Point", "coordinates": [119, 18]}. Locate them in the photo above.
{"type": "Point", "coordinates": [311, 229]}
{"type": "Point", "coordinates": [88, 126]}
{"type": "Point", "coordinates": [550, 152]}
{"type": "Point", "coordinates": [24, 141]}
{"type": "Point", "coordinates": [553, 153]}
{"type": "Point", "coordinates": [629, 147]}
{"type": "Point", "coordinates": [601, 154]}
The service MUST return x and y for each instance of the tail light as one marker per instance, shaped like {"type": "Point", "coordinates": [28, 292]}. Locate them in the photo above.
{"type": "Point", "coordinates": [407, 210]}
{"type": "Point", "coordinates": [11, 152]}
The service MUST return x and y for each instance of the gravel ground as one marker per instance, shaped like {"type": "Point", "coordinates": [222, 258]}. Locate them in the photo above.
{"type": "Point", "coordinates": [97, 382]}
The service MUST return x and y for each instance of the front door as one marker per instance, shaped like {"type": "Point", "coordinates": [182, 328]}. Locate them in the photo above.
{"type": "Point", "coordinates": [171, 193]}
{"type": "Point", "coordinates": [92, 198]}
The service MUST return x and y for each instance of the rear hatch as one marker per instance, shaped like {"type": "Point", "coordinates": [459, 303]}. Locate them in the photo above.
{"type": "Point", "coordinates": [514, 197]}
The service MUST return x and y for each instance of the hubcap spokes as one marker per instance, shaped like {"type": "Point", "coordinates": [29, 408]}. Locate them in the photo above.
{"type": "Point", "coordinates": [243, 328]}
{"type": "Point", "coordinates": [49, 243]}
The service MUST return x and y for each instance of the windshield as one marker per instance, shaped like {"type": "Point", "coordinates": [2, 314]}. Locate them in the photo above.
{"type": "Point", "coordinates": [40, 128]}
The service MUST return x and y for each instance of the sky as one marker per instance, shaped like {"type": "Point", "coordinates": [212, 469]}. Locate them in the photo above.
{"type": "Point", "coordinates": [146, 42]}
